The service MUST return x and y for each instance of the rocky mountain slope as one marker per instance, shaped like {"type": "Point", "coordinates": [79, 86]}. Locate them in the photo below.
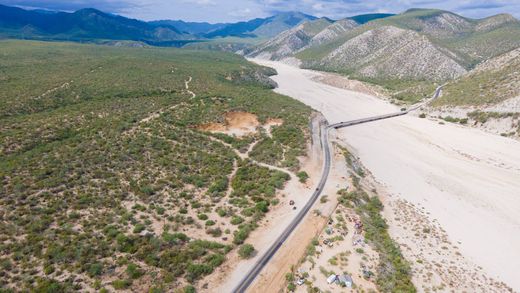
{"type": "Point", "coordinates": [488, 97]}
{"type": "Point", "coordinates": [332, 31]}
{"type": "Point", "coordinates": [291, 41]}
{"type": "Point", "coordinates": [419, 45]}
{"type": "Point", "coordinates": [395, 52]}
{"type": "Point", "coordinates": [262, 27]}
{"type": "Point", "coordinates": [491, 82]}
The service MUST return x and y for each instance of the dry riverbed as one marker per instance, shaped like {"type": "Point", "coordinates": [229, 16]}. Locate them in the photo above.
{"type": "Point", "coordinates": [460, 182]}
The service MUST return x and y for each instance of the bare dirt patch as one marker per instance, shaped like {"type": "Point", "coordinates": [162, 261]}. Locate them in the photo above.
{"type": "Point", "coordinates": [235, 124]}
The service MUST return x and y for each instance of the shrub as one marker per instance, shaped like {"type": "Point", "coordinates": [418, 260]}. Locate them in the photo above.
{"type": "Point", "coordinates": [246, 251]}
{"type": "Point", "coordinates": [95, 269]}
{"type": "Point", "coordinates": [289, 277]}
{"type": "Point", "coordinates": [196, 271]}
{"type": "Point", "coordinates": [303, 176]}
{"type": "Point", "coordinates": [48, 269]}
{"type": "Point", "coordinates": [221, 212]}
{"type": "Point", "coordinates": [202, 217]}
{"type": "Point", "coordinates": [241, 234]}
{"type": "Point", "coordinates": [262, 206]}
{"type": "Point", "coordinates": [133, 271]}
{"type": "Point", "coordinates": [139, 228]}
{"type": "Point", "coordinates": [121, 284]}
{"type": "Point", "coordinates": [236, 220]}
{"type": "Point", "coordinates": [215, 232]}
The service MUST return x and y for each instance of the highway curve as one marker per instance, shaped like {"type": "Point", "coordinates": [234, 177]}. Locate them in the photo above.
{"type": "Point", "coordinates": [324, 139]}
{"type": "Point", "coordinates": [253, 273]}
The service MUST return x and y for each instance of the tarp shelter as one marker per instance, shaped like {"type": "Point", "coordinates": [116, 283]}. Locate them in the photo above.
{"type": "Point", "coordinates": [331, 279]}
{"type": "Point", "coordinates": [345, 280]}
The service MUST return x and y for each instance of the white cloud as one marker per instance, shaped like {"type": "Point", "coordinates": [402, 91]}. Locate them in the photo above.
{"type": "Point", "coordinates": [235, 10]}
{"type": "Point", "coordinates": [240, 13]}
{"type": "Point", "coordinates": [201, 2]}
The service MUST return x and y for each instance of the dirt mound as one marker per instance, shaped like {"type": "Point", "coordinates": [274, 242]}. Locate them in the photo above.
{"type": "Point", "coordinates": [236, 123]}
{"type": "Point", "coordinates": [241, 120]}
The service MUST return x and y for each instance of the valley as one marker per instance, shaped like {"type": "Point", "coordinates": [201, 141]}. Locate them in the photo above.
{"type": "Point", "coordinates": [333, 148]}
{"type": "Point", "coordinates": [410, 157]}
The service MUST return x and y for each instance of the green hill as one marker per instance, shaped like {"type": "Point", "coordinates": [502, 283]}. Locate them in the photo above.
{"type": "Point", "coordinates": [492, 82]}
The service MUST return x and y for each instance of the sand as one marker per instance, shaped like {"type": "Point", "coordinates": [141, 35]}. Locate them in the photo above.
{"type": "Point", "coordinates": [465, 179]}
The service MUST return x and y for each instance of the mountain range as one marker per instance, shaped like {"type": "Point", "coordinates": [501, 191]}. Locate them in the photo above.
{"type": "Point", "coordinates": [417, 44]}
{"type": "Point", "coordinates": [84, 24]}
{"type": "Point", "coordinates": [405, 53]}
{"type": "Point", "coordinates": [94, 25]}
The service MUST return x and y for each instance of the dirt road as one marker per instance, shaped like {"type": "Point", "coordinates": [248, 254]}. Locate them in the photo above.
{"type": "Point", "coordinates": [466, 179]}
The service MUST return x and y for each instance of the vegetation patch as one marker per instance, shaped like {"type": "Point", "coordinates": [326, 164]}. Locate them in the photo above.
{"type": "Point", "coordinates": [394, 273]}
{"type": "Point", "coordinates": [101, 168]}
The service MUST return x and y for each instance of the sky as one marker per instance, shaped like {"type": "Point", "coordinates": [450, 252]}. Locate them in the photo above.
{"type": "Point", "coordinates": [237, 10]}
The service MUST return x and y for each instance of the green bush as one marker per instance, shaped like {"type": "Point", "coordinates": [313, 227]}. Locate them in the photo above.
{"type": "Point", "coordinates": [133, 271]}
{"type": "Point", "coordinates": [95, 269]}
{"type": "Point", "coordinates": [121, 284]}
{"type": "Point", "coordinates": [139, 228]}
{"type": "Point", "coordinates": [303, 176]}
{"type": "Point", "coordinates": [246, 251]}
{"type": "Point", "coordinates": [236, 220]}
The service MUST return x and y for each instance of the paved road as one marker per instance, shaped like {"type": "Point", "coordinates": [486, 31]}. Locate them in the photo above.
{"type": "Point", "coordinates": [386, 116]}
{"type": "Point", "coordinates": [252, 274]}
{"type": "Point", "coordinates": [324, 129]}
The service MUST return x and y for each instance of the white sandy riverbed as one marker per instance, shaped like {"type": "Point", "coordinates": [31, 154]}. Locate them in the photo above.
{"type": "Point", "coordinates": [466, 179]}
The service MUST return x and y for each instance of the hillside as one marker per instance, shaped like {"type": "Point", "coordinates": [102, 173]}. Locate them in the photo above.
{"type": "Point", "coordinates": [466, 41]}
{"type": "Point", "coordinates": [332, 31]}
{"type": "Point", "coordinates": [194, 28]}
{"type": "Point", "coordinates": [490, 83]}
{"type": "Point", "coordinates": [84, 24]}
{"type": "Point", "coordinates": [262, 27]}
{"type": "Point", "coordinates": [406, 53]}
{"type": "Point", "coordinates": [471, 40]}
{"type": "Point", "coordinates": [111, 179]}
{"type": "Point", "coordinates": [291, 41]}
{"type": "Point", "coordinates": [390, 52]}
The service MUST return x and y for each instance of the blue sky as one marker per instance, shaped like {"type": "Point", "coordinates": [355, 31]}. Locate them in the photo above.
{"type": "Point", "coordinates": [235, 10]}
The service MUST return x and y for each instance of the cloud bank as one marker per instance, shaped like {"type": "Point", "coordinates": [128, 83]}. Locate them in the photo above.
{"type": "Point", "coordinates": [233, 10]}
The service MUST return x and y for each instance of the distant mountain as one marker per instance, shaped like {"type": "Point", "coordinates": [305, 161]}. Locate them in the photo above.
{"type": "Point", "coordinates": [190, 27]}
{"type": "Point", "coordinates": [262, 27]}
{"type": "Point", "coordinates": [84, 24]}
{"type": "Point", "coordinates": [419, 44]}
{"type": "Point", "coordinates": [470, 40]}
{"type": "Point", "coordinates": [293, 40]}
